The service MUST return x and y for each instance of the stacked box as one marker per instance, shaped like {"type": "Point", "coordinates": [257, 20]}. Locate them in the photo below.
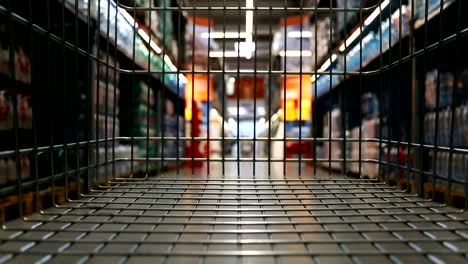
{"type": "Point", "coordinates": [173, 127]}
{"type": "Point", "coordinates": [165, 23]}
{"type": "Point", "coordinates": [370, 130]}
{"type": "Point", "coordinates": [144, 125]}
{"type": "Point", "coordinates": [333, 149]}
{"type": "Point", "coordinates": [322, 38]}
{"type": "Point", "coordinates": [460, 127]}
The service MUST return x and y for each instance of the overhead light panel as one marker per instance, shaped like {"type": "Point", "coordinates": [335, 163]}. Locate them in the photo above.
{"type": "Point", "coordinates": [298, 34]}
{"type": "Point", "coordinates": [168, 61]}
{"type": "Point", "coordinates": [249, 20]}
{"type": "Point", "coordinates": [245, 49]}
{"type": "Point", "coordinates": [328, 63]}
{"type": "Point", "coordinates": [224, 54]}
{"type": "Point", "coordinates": [350, 40]}
{"type": "Point", "coordinates": [183, 79]}
{"type": "Point", "coordinates": [147, 39]}
{"type": "Point", "coordinates": [295, 53]}
{"type": "Point", "coordinates": [223, 35]}
{"type": "Point", "coordinates": [376, 12]}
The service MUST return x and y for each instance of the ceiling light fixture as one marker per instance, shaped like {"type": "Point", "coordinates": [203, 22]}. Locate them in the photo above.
{"type": "Point", "coordinates": [295, 53]}
{"type": "Point", "coordinates": [328, 63]}
{"type": "Point", "coordinates": [223, 35]}
{"type": "Point", "coordinates": [376, 12]}
{"type": "Point", "coordinates": [298, 34]}
{"type": "Point", "coordinates": [147, 39]}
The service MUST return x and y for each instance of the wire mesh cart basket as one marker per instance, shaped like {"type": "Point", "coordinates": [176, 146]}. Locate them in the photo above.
{"type": "Point", "coordinates": [214, 131]}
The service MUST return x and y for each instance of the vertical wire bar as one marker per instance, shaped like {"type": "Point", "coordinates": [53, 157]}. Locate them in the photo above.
{"type": "Point", "coordinates": [208, 104]}
{"type": "Point", "coordinates": [285, 48]}
{"type": "Point", "coordinates": [163, 78]}
{"type": "Point", "coordinates": [459, 16]}
{"type": "Point", "coordinates": [179, 62]}
{"type": "Point", "coordinates": [434, 158]}
{"type": "Point", "coordinates": [115, 102]}
{"type": "Point", "coordinates": [132, 135]}
{"type": "Point", "coordinates": [77, 102]}
{"type": "Point", "coordinates": [89, 96]}
{"type": "Point", "coordinates": [399, 70]}
{"type": "Point", "coordinates": [238, 93]}
{"type": "Point", "coordinates": [255, 93]}
{"type": "Point", "coordinates": [12, 79]}
{"type": "Point", "coordinates": [65, 123]}
{"type": "Point", "coordinates": [148, 99]}
{"type": "Point", "coordinates": [360, 93]}
{"type": "Point", "coordinates": [330, 95]}
{"type": "Point", "coordinates": [106, 95]}
{"type": "Point", "coordinates": [34, 107]}
{"type": "Point", "coordinates": [314, 97]}
{"type": "Point", "coordinates": [343, 94]}
{"type": "Point", "coordinates": [389, 101]}
{"type": "Point", "coordinates": [436, 127]}
{"type": "Point", "coordinates": [95, 76]}
{"type": "Point", "coordinates": [454, 98]}
{"type": "Point", "coordinates": [193, 87]}
{"type": "Point", "coordinates": [51, 110]}
{"type": "Point", "coordinates": [270, 36]}
{"type": "Point", "coordinates": [299, 165]}
{"type": "Point", "coordinates": [410, 136]}
{"type": "Point", "coordinates": [381, 97]}
{"type": "Point", "coordinates": [416, 108]}
{"type": "Point", "coordinates": [223, 96]}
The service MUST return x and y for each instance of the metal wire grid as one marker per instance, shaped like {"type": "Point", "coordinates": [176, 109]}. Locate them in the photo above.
{"type": "Point", "coordinates": [231, 220]}
{"type": "Point", "coordinates": [222, 219]}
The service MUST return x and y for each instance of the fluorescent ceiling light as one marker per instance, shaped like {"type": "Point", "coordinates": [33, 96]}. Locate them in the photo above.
{"type": "Point", "coordinates": [147, 39]}
{"type": "Point", "coordinates": [328, 63]}
{"type": "Point", "coordinates": [234, 110]}
{"type": "Point", "coordinates": [169, 63]}
{"type": "Point", "coordinates": [246, 49]}
{"type": "Point", "coordinates": [350, 40]}
{"type": "Point", "coordinates": [128, 17]}
{"type": "Point", "coordinates": [182, 78]}
{"type": "Point", "coordinates": [225, 35]}
{"type": "Point", "coordinates": [314, 77]}
{"type": "Point", "coordinates": [224, 54]}
{"type": "Point", "coordinates": [376, 12]}
{"type": "Point", "coordinates": [295, 53]}
{"type": "Point", "coordinates": [297, 34]}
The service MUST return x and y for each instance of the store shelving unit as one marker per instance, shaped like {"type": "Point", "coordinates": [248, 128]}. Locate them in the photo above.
{"type": "Point", "coordinates": [402, 64]}
{"type": "Point", "coordinates": [74, 52]}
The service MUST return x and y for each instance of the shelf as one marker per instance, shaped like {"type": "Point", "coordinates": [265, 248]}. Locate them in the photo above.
{"type": "Point", "coordinates": [133, 42]}
{"type": "Point", "coordinates": [21, 86]}
{"type": "Point", "coordinates": [435, 11]}
{"type": "Point", "coordinates": [367, 31]}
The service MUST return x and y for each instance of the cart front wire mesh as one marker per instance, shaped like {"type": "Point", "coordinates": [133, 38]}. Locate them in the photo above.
{"type": "Point", "coordinates": [214, 131]}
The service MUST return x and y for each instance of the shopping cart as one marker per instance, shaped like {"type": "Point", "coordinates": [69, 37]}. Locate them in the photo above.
{"type": "Point", "coordinates": [123, 126]}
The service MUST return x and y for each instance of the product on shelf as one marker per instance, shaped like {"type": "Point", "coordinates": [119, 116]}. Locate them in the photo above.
{"type": "Point", "coordinates": [444, 133]}
{"type": "Point", "coordinates": [322, 37]}
{"type": "Point", "coordinates": [369, 105]}
{"type": "Point", "coordinates": [369, 150]}
{"type": "Point", "coordinates": [6, 111]}
{"type": "Point", "coordinates": [24, 112]}
{"type": "Point", "coordinates": [420, 7]}
{"type": "Point", "coordinates": [8, 169]}
{"type": "Point", "coordinates": [458, 169]}
{"type": "Point", "coordinates": [333, 149]}
{"type": "Point", "coordinates": [22, 63]}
